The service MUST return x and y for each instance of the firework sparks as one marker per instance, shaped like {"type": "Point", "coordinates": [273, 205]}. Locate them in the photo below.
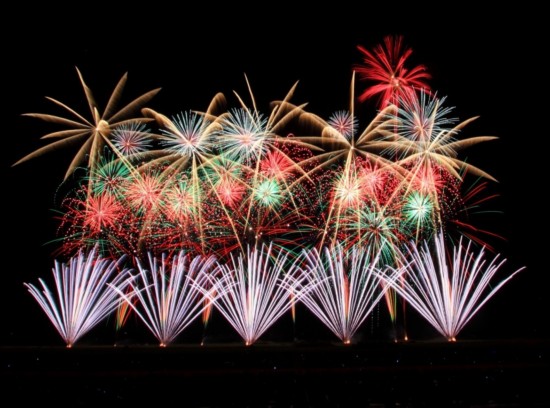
{"type": "Point", "coordinates": [86, 292]}
{"type": "Point", "coordinates": [187, 135]}
{"type": "Point", "coordinates": [268, 193]}
{"type": "Point", "coordinates": [226, 180]}
{"type": "Point", "coordinates": [169, 299]}
{"type": "Point", "coordinates": [344, 123]}
{"type": "Point", "coordinates": [131, 138]}
{"type": "Point", "coordinates": [244, 135]}
{"type": "Point", "coordinates": [386, 66]}
{"type": "Point", "coordinates": [96, 132]}
{"type": "Point", "coordinates": [344, 288]}
{"type": "Point", "coordinates": [447, 295]}
{"type": "Point", "coordinates": [256, 290]}
{"type": "Point", "coordinates": [434, 146]}
{"type": "Point", "coordinates": [418, 209]}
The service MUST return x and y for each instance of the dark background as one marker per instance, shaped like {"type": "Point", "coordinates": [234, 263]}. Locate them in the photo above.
{"type": "Point", "coordinates": [483, 61]}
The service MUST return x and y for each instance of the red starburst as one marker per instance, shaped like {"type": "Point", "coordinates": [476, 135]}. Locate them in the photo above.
{"type": "Point", "coordinates": [385, 67]}
{"type": "Point", "coordinates": [102, 211]}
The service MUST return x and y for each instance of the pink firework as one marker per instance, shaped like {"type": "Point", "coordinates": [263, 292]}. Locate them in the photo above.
{"type": "Point", "coordinates": [276, 164]}
{"type": "Point", "coordinates": [385, 67]}
{"type": "Point", "coordinates": [91, 219]}
{"type": "Point", "coordinates": [429, 179]}
{"type": "Point", "coordinates": [144, 192]}
{"type": "Point", "coordinates": [102, 211]}
{"type": "Point", "coordinates": [229, 191]}
{"type": "Point", "coordinates": [373, 178]}
{"type": "Point", "coordinates": [131, 138]}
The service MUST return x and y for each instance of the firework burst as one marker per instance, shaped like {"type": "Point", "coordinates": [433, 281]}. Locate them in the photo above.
{"type": "Point", "coordinates": [96, 132]}
{"type": "Point", "coordinates": [386, 67]}
{"type": "Point", "coordinates": [235, 182]}
{"type": "Point", "coordinates": [131, 138]}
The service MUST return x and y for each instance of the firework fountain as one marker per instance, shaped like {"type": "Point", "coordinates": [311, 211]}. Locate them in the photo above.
{"type": "Point", "coordinates": [86, 292]}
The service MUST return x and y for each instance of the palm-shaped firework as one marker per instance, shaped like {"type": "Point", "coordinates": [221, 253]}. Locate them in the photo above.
{"type": "Point", "coordinates": [424, 140]}
{"type": "Point", "coordinates": [447, 292]}
{"type": "Point", "coordinates": [95, 132]}
{"type": "Point", "coordinates": [86, 291]}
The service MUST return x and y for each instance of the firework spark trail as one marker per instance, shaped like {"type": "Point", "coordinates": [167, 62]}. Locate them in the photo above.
{"type": "Point", "coordinates": [345, 287]}
{"type": "Point", "coordinates": [86, 292]}
{"type": "Point", "coordinates": [446, 295]}
{"type": "Point", "coordinates": [467, 204]}
{"type": "Point", "coordinates": [168, 299]}
{"type": "Point", "coordinates": [257, 289]}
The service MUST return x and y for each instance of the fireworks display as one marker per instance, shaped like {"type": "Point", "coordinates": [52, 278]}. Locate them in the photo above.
{"type": "Point", "coordinates": [251, 211]}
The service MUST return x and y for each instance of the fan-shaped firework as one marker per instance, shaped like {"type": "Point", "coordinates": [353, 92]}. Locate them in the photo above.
{"type": "Point", "coordinates": [85, 293]}
{"type": "Point", "coordinates": [256, 290]}
{"type": "Point", "coordinates": [168, 295]}
{"type": "Point", "coordinates": [344, 288]}
{"type": "Point", "coordinates": [446, 295]}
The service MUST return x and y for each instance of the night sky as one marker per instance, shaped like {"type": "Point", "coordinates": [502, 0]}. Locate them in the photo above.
{"type": "Point", "coordinates": [483, 64]}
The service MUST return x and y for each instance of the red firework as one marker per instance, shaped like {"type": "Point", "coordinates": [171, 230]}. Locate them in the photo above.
{"type": "Point", "coordinates": [385, 67]}
{"type": "Point", "coordinates": [101, 211]}
{"type": "Point", "coordinates": [276, 164]}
